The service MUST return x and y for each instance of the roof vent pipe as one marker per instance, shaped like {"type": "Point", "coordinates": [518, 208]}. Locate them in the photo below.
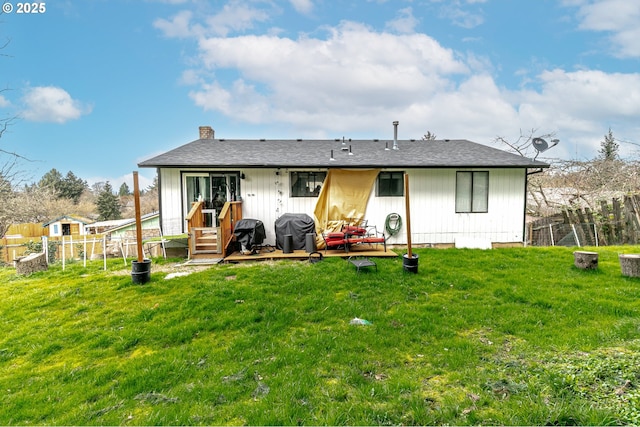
{"type": "Point", "coordinates": [395, 135]}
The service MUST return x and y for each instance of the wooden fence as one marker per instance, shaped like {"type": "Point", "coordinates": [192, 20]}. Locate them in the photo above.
{"type": "Point", "coordinates": [614, 223]}
{"type": "Point", "coordinates": [32, 230]}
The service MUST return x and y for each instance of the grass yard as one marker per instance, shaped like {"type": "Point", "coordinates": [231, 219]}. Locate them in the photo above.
{"type": "Point", "coordinates": [502, 337]}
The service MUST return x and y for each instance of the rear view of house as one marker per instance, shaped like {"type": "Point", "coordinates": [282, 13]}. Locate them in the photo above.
{"type": "Point", "coordinates": [460, 190]}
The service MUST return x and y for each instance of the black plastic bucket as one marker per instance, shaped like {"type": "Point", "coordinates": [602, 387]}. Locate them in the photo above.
{"type": "Point", "coordinates": [287, 246]}
{"type": "Point", "coordinates": [141, 271]}
{"type": "Point", "coordinates": [410, 264]}
{"type": "Point", "coordinates": [310, 242]}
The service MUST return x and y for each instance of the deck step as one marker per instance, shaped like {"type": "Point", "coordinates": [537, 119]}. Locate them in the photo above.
{"type": "Point", "coordinates": [205, 252]}
{"type": "Point", "coordinates": [206, 248]}
{"type": "Point", "coordinates": [208, 237]}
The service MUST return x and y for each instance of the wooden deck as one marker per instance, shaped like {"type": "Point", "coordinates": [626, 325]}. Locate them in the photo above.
{"type": "Point", "coordinates": [275, 254]}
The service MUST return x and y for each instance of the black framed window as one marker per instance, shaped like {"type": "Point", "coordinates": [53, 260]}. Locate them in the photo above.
{"type": "Point", "coordinates": [390, 184]}
{"type": "Point", "coordinates": [306, 184]}
{"type": "Point", "coordinates": [472, 192]}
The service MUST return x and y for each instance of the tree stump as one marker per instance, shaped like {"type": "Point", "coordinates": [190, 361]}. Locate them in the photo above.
{"type": "Point", "coordinates": [31, 264]}
{"type": "Point", "coordinates": [630, 264]}
{"type": "Point", "coordinates": [585, 260]}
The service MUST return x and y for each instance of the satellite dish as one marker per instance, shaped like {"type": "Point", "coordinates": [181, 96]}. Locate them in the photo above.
{"type": "Point", "coordinates": [541, 145]}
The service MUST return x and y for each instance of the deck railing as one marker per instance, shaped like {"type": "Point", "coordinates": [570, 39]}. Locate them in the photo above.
{"type": "Point", "coordinates": [229, 214]}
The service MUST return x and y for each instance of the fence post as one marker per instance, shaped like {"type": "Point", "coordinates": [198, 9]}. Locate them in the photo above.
{"type": "Point", "coordinates": [573, 227]}
{"type": "Point", "coordinates": [45, 248]}
{"type": "Point", "coordinates": [62, 253]}
{"type": "Point", "coordinates": [553, 243]}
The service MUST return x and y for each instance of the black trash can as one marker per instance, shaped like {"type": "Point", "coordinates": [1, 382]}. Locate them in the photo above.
{"type": "Point", "coordinates": [141, 271]}
{"type": "Point", "coordinates": [410, 264]}
{"type": "Point", "coordinates": [310, 243]}
{"type": "Point", "coordinates": [288, 244]}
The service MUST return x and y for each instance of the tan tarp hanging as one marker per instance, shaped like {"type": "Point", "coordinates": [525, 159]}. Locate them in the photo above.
{"type": "Point", "coordinates": [343, 198]}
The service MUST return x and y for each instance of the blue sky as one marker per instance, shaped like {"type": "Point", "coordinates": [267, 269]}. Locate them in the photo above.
{"type": "Point", "coordinates": [99, 85]}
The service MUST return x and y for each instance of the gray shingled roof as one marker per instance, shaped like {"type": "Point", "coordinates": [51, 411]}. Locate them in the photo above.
{"type": "Point", "coordinates": [241, 153]}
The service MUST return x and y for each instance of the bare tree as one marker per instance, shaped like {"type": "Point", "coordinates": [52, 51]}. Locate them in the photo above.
{"type": "Point", "coordinates": [538, 202]}
{"type": "Point", "coordinates": [581, 183]}
{"type": "Point", "coordinates": [429, 136]}
{"type": "Point", "coordinates": [523, 145]}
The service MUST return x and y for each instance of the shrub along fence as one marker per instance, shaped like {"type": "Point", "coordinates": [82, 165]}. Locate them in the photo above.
{"type": "Point", "coordinates": [614, 223]}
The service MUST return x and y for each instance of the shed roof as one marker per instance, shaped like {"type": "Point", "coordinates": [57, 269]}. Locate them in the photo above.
{"type": "Point", "coordinates": [287, 153]}
{"type": "Point", "coordinates": [129, 221]}
{"type": "Point", "coordinates": [72, 218]}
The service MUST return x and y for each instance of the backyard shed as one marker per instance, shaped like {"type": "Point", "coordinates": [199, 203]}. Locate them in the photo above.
{"type": "Point", "coordinates": [66, 225]}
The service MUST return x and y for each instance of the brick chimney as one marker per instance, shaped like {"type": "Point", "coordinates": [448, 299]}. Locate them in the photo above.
{"type": "Point", "coordinates": [206, 132]}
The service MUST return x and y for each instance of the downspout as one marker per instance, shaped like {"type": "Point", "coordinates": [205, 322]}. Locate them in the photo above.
{"type": "Point", "coordinates": [160, 200]}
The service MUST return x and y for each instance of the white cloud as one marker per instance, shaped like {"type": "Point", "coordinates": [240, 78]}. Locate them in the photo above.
{"type": "Point", "coordinates": [302, 6]}
{"type": "Point", "coordinates": [620, 18]}
{"type": "Point", "coordinates": [350, 80]}
{"type": "Point", "coordinates": [404, 23]}
{"type": "Point", "coordinates": [4, 102]}
{"type": "Point", "coordinates": [51, 104]}
{"type": "Point", "coordinates": [462, 15]}
{"type": "Point", "coordinates": [178, 26]}
{"type": "Point", "coordinates": [581, 105]}
{"type": "Point", "coordinates": [310, 80]}
{"type": "Point", "coordinates": [235, 16]}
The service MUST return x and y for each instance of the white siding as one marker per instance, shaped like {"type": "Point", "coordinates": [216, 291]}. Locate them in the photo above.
{"type": "Point", "coordinates": [171, 202]}
{"type": "Point", "coordinates": [266, 196]}
{"type": "Point", "coordinates": [433, 216]}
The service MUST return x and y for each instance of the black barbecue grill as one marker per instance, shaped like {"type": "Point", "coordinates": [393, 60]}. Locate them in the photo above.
{"type": "Point", "coordinates": [249, 234]}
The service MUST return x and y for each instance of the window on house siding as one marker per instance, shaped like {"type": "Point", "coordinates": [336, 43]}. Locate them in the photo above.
{"type": "Point", "coordinates": [472, 192]}
{"type": "Point", "coordinates": [390, 184]}
{"type": "Point", "coordinates": [306, 184]}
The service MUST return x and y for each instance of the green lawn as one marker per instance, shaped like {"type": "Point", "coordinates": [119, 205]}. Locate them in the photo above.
{"type": "Point", "coordinates": [507, 336]}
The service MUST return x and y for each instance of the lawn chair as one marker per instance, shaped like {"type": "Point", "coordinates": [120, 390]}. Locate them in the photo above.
{"type": "Point", "coordinates": [334, 241]}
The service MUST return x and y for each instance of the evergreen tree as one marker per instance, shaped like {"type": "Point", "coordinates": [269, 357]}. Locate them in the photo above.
{"type": "Point", "coordinates": [67, 187]}
{"type": "Point", "coordinates": [609, 147]}
{"type": "Point", "coordinates": [52, 180]}
{"type": "Point", "coordinates": [108, 204]}
{"type": "Point", "coordinates": [72, 187]}
{"type": "Point", "coordinates": [153, 187]}
{"type": "Point", "coordinates": [124, 190]}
